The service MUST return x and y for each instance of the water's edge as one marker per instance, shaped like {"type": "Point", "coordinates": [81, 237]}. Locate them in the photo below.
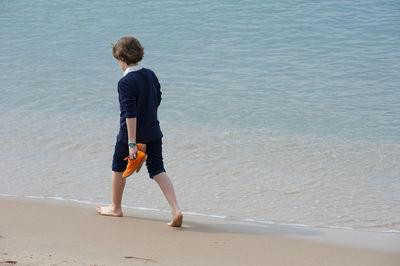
{"type": "Point", "coordinates": [213, 216]}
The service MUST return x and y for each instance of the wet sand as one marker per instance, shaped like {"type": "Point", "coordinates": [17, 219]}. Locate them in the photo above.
{"type": "Point", "coordinates": [37, 232]}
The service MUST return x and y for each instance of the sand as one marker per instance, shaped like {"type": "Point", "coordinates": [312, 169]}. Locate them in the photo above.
{"type": "Point", "coordinates": [38, 232]}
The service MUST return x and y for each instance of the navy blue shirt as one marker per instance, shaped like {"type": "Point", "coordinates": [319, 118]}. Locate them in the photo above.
{"type": "Point", "coordinates": [139, 96]}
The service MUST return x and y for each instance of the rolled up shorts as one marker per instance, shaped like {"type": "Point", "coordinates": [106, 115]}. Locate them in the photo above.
{"type": "Point", "coordinates": [154, 162]}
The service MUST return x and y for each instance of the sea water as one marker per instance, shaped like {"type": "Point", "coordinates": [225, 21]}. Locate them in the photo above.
{"type": "Point", "coordinates": [282, 112]}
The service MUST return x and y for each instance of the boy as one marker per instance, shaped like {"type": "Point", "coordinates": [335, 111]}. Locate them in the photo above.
{"type": "Point", "coordinates": [139, 98]}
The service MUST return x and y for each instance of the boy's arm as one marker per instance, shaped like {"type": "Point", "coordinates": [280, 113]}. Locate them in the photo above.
{"type": "Point", "coordinates": [158, 90]}
{"type": "Point", "coordinates": [131, 125]}
{"type": "Point", "coordinates": [128, 102]}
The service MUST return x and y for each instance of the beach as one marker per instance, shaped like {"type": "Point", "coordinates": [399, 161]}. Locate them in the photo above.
{"type": "Point", "coordinates": [38, 232]}
{"type": "Point", "coordinates": [281, 127]}
{"type": "Point", "coordinates": [289, 112]}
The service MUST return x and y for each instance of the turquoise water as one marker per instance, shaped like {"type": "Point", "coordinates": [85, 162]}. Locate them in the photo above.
{"type": "Point", "coordinates": [296, 102]}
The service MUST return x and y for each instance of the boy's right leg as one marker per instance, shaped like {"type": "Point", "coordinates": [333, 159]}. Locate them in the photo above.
{"type": "Point", "coordinates": [118, 185]}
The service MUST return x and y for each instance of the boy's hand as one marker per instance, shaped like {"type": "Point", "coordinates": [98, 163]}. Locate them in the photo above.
{"type": "Point", "coordinates": [132, 152]}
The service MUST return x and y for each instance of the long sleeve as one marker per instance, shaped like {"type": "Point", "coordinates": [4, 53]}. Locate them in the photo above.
{"type": "Point", "coordinates": [127, 98]}
{"type": "Point", "coordinates": [158, 90]}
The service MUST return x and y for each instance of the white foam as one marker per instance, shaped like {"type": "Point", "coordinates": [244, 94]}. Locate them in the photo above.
{"type": "Point", "coordinates": [296, 225]}
{"type": "Point", "coordinates": [390, 231]}
{"type": "Point", "coordinates": [59, 198]}
{"type": "Point", "coordinates": [6, 195]}
{"type": "Point", "coordinates": [33, 197]}
{"type": "Point", "coordinates": [340, 227]}
{"type": "Point", "coordinates": [205, 215]}
{"type": "Point", "coordinates": [141, 208]}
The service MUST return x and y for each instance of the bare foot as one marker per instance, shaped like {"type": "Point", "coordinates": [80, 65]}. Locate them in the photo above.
{"type": "Point", "coordinates": [108, 211]}
{"type": "Point", "coordinates": [176, 220]}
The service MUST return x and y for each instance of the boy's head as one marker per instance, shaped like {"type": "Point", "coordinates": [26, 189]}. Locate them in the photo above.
{"type": "Point", "coordinates": [128, 49]}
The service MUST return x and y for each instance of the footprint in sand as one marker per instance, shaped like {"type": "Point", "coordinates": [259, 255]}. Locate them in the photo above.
{"type": "Point", "coordinates": [8, 262]}
{"type": "Point", "coordinates": [138, 258]}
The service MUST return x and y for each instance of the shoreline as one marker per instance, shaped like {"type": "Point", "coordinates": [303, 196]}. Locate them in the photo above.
{"type": "Point", "coordinates": [42, 232]}
{"type": "Point", "coordinates": [85, 203]}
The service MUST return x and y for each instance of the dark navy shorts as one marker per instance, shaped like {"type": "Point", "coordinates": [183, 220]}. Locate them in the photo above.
{"type": "Point", "coordinates": [154, 162]}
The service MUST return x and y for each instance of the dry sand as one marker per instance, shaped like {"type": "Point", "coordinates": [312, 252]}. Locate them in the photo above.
{"type": "Point", "coordinates": [34, 232]}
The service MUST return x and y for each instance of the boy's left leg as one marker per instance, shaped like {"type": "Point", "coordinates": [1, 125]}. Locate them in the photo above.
{"type": "Point", "coordinates": [155, 167]}
{"type": "Point", "coordinates": [167, 188]}
{"type": "Point", "coordinates": [118, 185]}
